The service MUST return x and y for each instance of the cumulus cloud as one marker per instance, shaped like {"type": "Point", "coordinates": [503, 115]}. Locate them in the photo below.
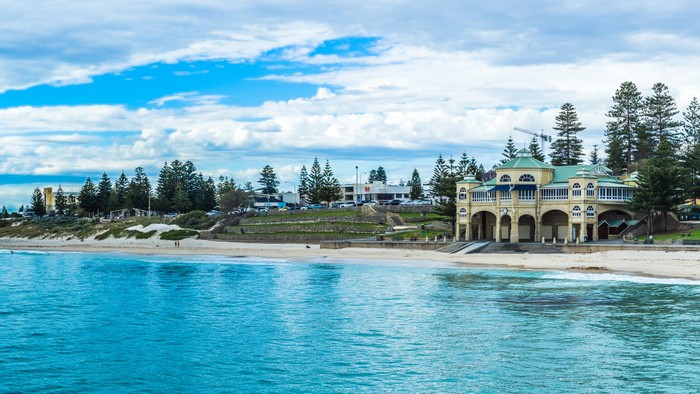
{"type": "Point", "coordinates": [445, 78]}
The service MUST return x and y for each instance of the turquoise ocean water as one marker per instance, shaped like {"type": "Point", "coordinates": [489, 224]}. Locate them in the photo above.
{"type": "Point", "coordinates": [73, 322]}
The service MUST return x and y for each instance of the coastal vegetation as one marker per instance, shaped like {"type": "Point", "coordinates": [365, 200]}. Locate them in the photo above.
{"type": "Point", "coordinates": [280, 226]}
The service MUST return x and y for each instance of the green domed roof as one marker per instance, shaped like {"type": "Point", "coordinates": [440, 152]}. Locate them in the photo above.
{"type": "Point", "coordinates": [523, 159]}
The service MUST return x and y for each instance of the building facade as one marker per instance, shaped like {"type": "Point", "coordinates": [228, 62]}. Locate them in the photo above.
{"type": "Point", "coordinates": [529, 200]}
{"type": "Point", "coordinates": [376, 191]}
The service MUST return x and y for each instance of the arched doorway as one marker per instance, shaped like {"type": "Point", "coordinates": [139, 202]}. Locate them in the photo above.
{"type": "Point", "coordinates": [505, 229]}
{"type": "Point", "coordinates": [526, 228]}
{"type": "Point", "coordinates": [462, 225]}
{"type": "Point", "coordinates": [483, 226]}
{"type": "Point", "coordinates": [555, 225]}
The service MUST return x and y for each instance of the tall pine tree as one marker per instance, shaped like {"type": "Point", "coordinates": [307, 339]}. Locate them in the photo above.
{"type": "Point", "coordinates": [415, 186]}
{"type": "Point", "coordinates": [659, 115]}
{"type": "Point", "coordinates": [104, 189]}
{"type": "Point", "coordinates": [38, 204]}
{"type": "Point", "coordinates": [661, 185]}
{"type": "Point", "coordinates": [594, 158]}
{"type": "Point", "coordinates": [691, 125]}
{"type": "Point", "coordinates": [567, 149]}
{"type": "Point", "coordinates": [509, 151]}
{"type": "Point", "coordinates": [139, 190]}
{"type": "Point", "coordinates": [315, 183]}
{"type": "Point", "coordinates": [121, 189]}
{"type": "Point", "coordinates": [268, 180]}
{"type": "Point", "coordinates": [443, 187]}
{"type": "Point", "coordinates": [535, 150]}
{"type": "Point", "coordinates": [691, 147]}
{"type": "Point", "coordinates": [330, 189]}
{"type": "Point", "coordinates": [87, 197]}
{"type": "Point", "coordinates": [60, 201]}
{"type": "Point", "coordinates": [303, 188]}
{"type": "Point", "coordinates": [624, 127]}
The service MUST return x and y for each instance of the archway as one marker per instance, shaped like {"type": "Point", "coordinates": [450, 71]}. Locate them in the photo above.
{"type": "Point", "coordinates": [555, 225]}
{"type": "Point", "coordinates": [505, 229]}
{"type": "Point", "coordinates": [526, 228]}
{"type": "Point", "coordinates": [483, 225]}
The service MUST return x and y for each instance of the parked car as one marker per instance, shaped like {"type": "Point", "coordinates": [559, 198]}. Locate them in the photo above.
{"type": "Point", "coordinates": [316, 206]}
{"type": "Point", "coordinates": [393, 202]}
{"type": "Point", "coordinates": [409, 202]}
{"type": "Point", "coordinates": [424, 202]}
{"type": "Point", "coordinates": [370, 203]}
{"type": "Point", "coordinates": [213, 213]}
{"type": "Point", "coordinates": [346, 205]}
{"type": "Point", "coordinates": [170, 215]}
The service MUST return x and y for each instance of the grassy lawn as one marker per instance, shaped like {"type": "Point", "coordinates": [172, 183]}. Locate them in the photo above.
{"type": "Point", "coordinates": [306, 215]}
{"type": "Point", "coordinates": [675, 236]}
{"type": "Point", "coordinates": [418, 235]}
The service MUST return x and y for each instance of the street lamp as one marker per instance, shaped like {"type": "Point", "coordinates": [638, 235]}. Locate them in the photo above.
{"type": "Point", "coordinates": [354, 189]}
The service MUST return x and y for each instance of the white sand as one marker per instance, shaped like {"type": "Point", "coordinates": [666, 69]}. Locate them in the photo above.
{"type": "Point", "coordinates": [669, 264]}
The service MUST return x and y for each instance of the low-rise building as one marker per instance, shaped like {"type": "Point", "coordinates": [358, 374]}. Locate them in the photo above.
{"type": "Point", "coordinates": [377, 191]}
{"type": "Point", "coordinates": [529, 200]}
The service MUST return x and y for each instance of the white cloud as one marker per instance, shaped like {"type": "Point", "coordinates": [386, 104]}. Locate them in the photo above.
{"type": "Point", "coordinates": [442, 78]}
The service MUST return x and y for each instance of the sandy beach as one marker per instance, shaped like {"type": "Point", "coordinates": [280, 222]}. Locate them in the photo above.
{"type": "Point", "coordinates": [679, 264]}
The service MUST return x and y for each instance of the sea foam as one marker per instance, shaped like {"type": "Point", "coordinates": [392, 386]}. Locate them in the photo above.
{"type": "Point", "coordinates": [579, 276]}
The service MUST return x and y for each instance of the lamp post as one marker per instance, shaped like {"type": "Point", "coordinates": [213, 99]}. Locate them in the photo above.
{"type": "Point", "coordinates": [357, 184]}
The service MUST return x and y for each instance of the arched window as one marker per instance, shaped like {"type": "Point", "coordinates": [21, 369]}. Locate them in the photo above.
{"type": "Point", "coordinates": [462, 194]}
{"type": "Point", "coordinates": [590, 190]}
{"type": "Point", "coordinates": [463, 213]}
{"type": "Point", "coordinates": [576, 190]}
{"type": "Point", "coordinates": [526, 178]}
{"type": "Point", "coordinates": [590, 212]}
{"type": "Point", "coordinates": [505, 178]}
{"type": "Point", "coordinates": [576, 211]}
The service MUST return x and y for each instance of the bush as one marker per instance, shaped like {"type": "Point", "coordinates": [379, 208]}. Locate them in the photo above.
{"type": "Point", "coordinates": [177, 235]}
{"type": "Point", "coordinates": [195, 219]}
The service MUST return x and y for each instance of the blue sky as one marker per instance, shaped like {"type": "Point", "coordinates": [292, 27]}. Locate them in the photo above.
{"type": "Point", "coordinates": [87, 88]}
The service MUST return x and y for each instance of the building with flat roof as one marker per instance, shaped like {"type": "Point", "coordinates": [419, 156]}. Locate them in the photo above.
{"type": "Point", "coordinates": [377, 191]}
{"type": "Point", "coordinates": [529, 200]}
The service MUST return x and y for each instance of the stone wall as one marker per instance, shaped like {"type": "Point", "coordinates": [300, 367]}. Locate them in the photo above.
{"type": "Point", "coordinates": [417, 245]}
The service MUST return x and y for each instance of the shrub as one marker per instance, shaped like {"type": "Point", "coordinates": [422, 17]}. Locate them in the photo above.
{"type": "Point", "coordinates": [176, 235]}
{"type": "Point", "coordinates": [195, 219]}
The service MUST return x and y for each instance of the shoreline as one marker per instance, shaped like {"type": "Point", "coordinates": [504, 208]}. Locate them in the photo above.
{"type": "Point", "coordinates": [669, 264]}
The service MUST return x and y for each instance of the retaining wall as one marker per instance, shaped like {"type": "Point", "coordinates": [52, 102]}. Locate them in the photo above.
{"type": "Point", "coordinates": [413, 245]}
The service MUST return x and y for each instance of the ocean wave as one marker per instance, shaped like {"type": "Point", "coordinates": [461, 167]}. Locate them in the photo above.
{"type": "Point", "coordinates": [213, 259]}
{"type": "Point", "coordinates": [24, 252]}
{"type": "Point", "coordinates": [579, 276]}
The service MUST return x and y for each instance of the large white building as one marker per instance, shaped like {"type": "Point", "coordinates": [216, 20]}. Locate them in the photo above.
{"type": "Point", "coordinates": [529, 200]}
